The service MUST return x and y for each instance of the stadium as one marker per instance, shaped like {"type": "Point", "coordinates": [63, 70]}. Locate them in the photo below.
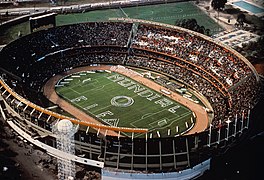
{"type": "Point", "coordinates": [148, 100]}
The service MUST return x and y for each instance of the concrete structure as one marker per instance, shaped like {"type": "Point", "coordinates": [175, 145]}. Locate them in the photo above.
{"type": "Point", "coordinates": [64, 131]}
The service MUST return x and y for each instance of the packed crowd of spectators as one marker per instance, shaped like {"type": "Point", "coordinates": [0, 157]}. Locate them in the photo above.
{"type": "Point", "coordinates": [232, 84]}
{"type": "Point", "coordinates": [211, 57]}
{"type": "Point", "coordinates": [193, 80]}
{"type": "Point", "coordinates": [21, 54]}
{"type": "Point", "coordinates": [226, 81]}
{"type": "Point", "coordinates": [52, 65]}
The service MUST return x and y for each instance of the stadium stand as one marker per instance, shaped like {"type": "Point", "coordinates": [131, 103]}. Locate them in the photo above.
{"type": "Point", "coordinates": [229, 84]}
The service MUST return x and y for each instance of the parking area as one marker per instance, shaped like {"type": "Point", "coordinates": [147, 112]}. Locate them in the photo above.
{"type": "Point", "coordinates": [236, 37]}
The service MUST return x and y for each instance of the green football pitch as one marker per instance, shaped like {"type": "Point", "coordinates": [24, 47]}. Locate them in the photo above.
{"type": "Point", "coordinates": [164, 13]}
{"type": "Point", "coordinates": [117, 100]}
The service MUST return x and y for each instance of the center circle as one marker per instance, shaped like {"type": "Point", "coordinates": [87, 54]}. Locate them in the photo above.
{"type": "Point", "coordinates": [122, 101]}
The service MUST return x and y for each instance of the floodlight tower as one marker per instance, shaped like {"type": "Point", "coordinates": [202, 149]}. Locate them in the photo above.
{"type": "Point", "coordinates": [65, 131]}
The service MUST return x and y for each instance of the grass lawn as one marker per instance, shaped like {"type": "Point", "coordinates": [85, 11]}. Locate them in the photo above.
{"type": "Point", "coordinates": [106, 97]}
{"type": "Point", "coordinates": [164, 13]}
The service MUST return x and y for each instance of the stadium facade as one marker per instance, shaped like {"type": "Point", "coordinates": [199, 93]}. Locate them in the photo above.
{"type": "Point", "coordinates": [220, 74]}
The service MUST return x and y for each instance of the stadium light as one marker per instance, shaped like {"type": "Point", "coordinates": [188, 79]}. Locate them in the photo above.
{"type": "Point", "coordinates": [248, 117]}
{"type": "Point", "coordinates": [227, 131]}
{"type": "Point", "coordinates": [209, 135]}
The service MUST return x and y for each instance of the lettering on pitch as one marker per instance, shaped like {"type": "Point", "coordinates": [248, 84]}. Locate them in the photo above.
{"type": "Point", "coordinates": [115, 77]}
{"type": "Point", "coordinates": [139, 90]}
{"type": "Point", "coordinates": [91, 106]}
{"type": "Point", "coordinates": [103, 114]}
{"type": "Point", "coordinates": [78, 99]}
{"type": "Point", "coordinates": [127, 101]}
{"type": "Point", "coordinates": [146, 93]}
{"type": "Point", "coordinates": [164, 102]}
{"type": "Point", "coordinates": [126, 82]}
{"type": "Point", "coordinates": [112, 121]}
{"type": "Point", "coordinates": [153, 97]}
{"type": "Point", "coordinates": [173, 109]}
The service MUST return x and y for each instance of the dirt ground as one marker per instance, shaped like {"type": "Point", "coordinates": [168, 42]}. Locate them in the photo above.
{"type": "Point", "coordinates": [21, 159]}
{"type": "Point", "coordinates": [49, 91]}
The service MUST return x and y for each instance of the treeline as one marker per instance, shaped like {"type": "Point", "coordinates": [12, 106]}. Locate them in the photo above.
{"type": "Point", "coordinates": [253, 51]}
{"type": "Point", "coordinates": [192, 25]}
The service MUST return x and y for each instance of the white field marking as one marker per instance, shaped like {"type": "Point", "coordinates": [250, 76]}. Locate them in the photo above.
{"type": "Point", "coordinates": [74, 90]}
{"type": "Point", "coordinates": [75, 76]}
{"type": "Point", "coordinates": [173, 17]}
{"type": "Point", "coordinates": [104, 107]}
{"type": "Point", "coordinates": [90, 107]}
{"type": "Point", "coordinates": [162, 122]}
{"type": "Point", "coordinates": [146, 115]}
{"type": "Point", "coordinates": [117, 122]}
{"type": "Point", "coordinates": [158, 122]}
{"type": "Point", "coordinates": [142, 117]}
{"type": "Point", "coordinates": [175, 118]}
{"type": "Point", "coordinates": [172, 121]}
{"type": "Point", "coordinates": [96, 87]}
{"type": "Point", "coordinates": [123, 12]}
{"type": "Point", "coordinates": [75, 85]}
{"type": "Point", "coordinates": [92, 89]}
{"type": "Point", "coordinates": [99, 88]}
{"type": "Point", "coordinates": [147, 13]}
{"type": "Point", "coordinates": [149, 113]}
{"type": "Point", "coordinates": [68, 79]}
{"type": "Point", "coordinates": [168, 125]}
{"type": "Point", "coordinates": [78, 99]}
{"type": "Point", "coordinates": [95, 112]}
{"type": "Point", "coordinates": [74, 102]}
{"type": "Point", "coordinates": [83, 84]}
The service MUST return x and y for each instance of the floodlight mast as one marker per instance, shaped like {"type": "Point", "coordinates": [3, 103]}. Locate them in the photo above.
{"type": "Point", "coordinates": [64, 131]}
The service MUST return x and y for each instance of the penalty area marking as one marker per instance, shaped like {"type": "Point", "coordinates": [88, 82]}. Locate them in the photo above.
{"type": "Point", "coordinates": [162, 122]}
{"type": "Point", "coordinates": [169, 121]}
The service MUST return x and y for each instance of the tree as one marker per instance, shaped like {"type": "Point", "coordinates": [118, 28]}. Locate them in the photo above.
{"type": "Point", "coordinates": [218, 4]}
{"type": "Point", "coordinates": [241, 18]}
{"type": "Point", "coordinates": [253, 51]}
{"type": "Point", "coordinates": [202, 30]}
{"type": "Point", "coordinates": [192, 25]}
{"type": "Point", "coordinates": [207, 32]}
